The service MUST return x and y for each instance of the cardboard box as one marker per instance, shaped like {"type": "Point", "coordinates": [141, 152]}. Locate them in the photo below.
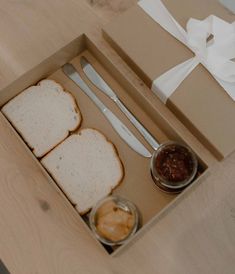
{"type": "Point", "coordinates": [137, 185]}
{"type": "Point", "coordinates": [199, 102]}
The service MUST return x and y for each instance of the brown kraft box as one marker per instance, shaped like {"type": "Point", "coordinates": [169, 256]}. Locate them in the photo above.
{"type": "Point", "coordinates": [200, 103]}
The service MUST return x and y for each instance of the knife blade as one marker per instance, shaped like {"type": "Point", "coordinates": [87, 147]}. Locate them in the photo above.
{"type": "Point", "coordinates": [99, 82]}
{"type": "Point", "coordinates": [120, 128]}
{"type": "Point", "coordinates": [3, 269]}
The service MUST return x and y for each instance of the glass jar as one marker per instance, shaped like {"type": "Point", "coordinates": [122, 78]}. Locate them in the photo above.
{"type": "Point", "coordinates": [173, 166]}
{"type": "Point", "coordinates": [109, 220]}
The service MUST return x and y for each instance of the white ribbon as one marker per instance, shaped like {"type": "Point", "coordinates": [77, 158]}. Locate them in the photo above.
{"type": "Point", "coordinates": [216, 55]}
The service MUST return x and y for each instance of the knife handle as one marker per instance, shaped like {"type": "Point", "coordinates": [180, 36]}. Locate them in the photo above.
{"type": "Point", "coordinates": [144, 132]}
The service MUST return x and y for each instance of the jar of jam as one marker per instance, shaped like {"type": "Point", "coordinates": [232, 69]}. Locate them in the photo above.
{"type": "Point", "coordinates": [173, 166]}
{"type": "Point", "coordinates": [114, 220]}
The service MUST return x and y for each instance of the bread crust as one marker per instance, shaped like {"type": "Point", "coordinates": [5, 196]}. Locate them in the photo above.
{"type": "Point", "coordinates": [119, 161]}
{"type": "Point", "coordinates": [115, 151]}
{"type": "Point", "coordinates": [76, 108]}
{"type": "Point", "coordinates": [117, 155]}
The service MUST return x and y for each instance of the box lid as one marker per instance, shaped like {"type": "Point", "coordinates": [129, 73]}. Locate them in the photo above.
{"type": "Point", "coordinates": [199, 102]}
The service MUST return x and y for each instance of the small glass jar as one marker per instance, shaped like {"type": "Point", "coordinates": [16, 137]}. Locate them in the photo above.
{"type": "Point", "coordinates": [101, 213]}
{"type": "Point", "coordinates": [173, 167]}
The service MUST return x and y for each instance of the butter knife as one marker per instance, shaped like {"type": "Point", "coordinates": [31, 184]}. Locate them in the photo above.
{"type": "Point", "coordinates": [120, 128]}
{"type": "Point", "coordinates": [99, 82]}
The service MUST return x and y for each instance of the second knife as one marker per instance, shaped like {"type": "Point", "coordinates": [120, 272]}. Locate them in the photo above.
{"type": "Point", "coordinates": [120, 128]}
{"type": "Point", "coordinates": [99, 82]}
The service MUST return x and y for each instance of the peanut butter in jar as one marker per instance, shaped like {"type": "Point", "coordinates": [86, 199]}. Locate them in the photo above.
{"type": "Point", "coordinates": [114, 220]}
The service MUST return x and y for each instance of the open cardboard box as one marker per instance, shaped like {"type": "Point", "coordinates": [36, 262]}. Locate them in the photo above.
{"type": "Point", "coordinates": [137, 185]}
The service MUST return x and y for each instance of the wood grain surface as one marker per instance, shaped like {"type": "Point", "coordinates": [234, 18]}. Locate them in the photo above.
{"type": "Point", "coordinates": [107, 9]}
{"type": "Point", "coordinates": [40, 232]}
{"type": "Point", "coordinates": [33, 30]}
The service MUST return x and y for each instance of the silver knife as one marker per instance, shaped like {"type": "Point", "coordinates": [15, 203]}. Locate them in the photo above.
{"type": "Point", "coordinates": [120, 128]}
{"type": "Point", "coordinates": [99, 82]}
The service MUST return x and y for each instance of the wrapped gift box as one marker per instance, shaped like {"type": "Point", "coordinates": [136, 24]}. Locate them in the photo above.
{"type": "Point", "coordinates": [199, 102]}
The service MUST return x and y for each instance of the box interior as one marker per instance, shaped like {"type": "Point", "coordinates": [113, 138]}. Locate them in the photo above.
{"type": "Point", "coordinates": [137, 185]}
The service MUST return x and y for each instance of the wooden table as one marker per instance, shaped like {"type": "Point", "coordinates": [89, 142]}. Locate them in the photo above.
{"type": "Point", "coordinates": [40, 231]}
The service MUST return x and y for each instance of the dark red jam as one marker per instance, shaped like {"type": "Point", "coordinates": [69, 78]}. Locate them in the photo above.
{"type": "Point", "coordinates": [174, 163]}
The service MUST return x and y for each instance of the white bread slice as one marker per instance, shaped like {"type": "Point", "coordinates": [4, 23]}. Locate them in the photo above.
{"type": "Point", "coordinates": [43, 115]}
{"type": "Point", "coordinates": [86, 167]}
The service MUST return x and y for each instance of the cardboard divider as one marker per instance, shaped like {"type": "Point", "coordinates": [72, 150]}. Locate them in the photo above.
{"type": "Point", "coordinates": [137, 185]}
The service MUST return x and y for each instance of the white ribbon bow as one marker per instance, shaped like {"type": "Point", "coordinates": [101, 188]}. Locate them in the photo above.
{"type": "Point", "coordinates": [216, 54]}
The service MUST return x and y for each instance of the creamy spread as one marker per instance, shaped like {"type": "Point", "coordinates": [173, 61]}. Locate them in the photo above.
{"type": "Point", "coordinates": [113, 222]}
